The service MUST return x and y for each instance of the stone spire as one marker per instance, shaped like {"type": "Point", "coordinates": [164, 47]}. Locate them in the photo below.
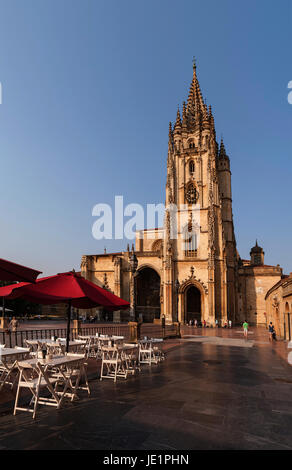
{"type": "Point", "coordinates": [177, 125]}
{"type": "Point", "coordinates": [184, 116]}
{"type": "Point", "coordinates": [222, 151]}
{"type": "Point", "coordinates": [170, 138]}
{"type": "Point", "coordinates": [196, 106]}
{"type": "Point", "coordinates": [211, 119]}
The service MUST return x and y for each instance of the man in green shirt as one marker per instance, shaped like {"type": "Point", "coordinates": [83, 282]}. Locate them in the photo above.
{"type": "Point", "coordinates": [245, 328]}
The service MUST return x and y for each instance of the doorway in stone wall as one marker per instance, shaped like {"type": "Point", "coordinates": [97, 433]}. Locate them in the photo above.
{"type": "Point", "coordinates": [148, 294]}
{"type": "Point", "coordinates": [193, 304]}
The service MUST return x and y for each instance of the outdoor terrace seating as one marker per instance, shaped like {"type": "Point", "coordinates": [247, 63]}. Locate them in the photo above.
{"type": "Point", "coordinates": [53, 376]}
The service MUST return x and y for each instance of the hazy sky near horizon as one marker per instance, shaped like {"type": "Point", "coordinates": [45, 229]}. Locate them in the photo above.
{"type": "Point", "coordinates": [88, 90]}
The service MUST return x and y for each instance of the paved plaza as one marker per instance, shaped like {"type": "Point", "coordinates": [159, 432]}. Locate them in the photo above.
{"type": "Point", "coordinates": [210, 393]}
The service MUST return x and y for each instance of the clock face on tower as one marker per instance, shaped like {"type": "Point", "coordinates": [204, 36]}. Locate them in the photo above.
{"type": "Point", "coordinates": [191, 194]}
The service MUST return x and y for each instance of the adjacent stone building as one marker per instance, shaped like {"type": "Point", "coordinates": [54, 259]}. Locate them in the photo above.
{"type": "Point", "coordinates": [279, 307]}
{"type": "Point", "coordinates": [255, 278]}
{"type": "Point", "coordinates": [199, 274]}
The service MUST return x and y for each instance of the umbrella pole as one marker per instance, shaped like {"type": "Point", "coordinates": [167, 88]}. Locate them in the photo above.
{"type": "Point", "coordinates": [68, 326]}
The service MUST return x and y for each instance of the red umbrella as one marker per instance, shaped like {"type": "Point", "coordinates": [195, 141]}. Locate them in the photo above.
{"type": "Point", "coordinates": [15, 272]}
{"type": "Point", "coordinates": [68, 287]}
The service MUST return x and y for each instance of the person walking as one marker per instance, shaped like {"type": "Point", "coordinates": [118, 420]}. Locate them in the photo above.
{"type": "Point", "coordinates": [196, 323]}
{"type": "Point", "coordinates": [13, 324]}
{"type": "Point", "coordinates": [216, 323]}
{"type": "Point", "coordinates": [272, 332]}
{"type": "Point", "coordinates": [245, 329]}
{"type": "Point", "coordinates": [230, 323]}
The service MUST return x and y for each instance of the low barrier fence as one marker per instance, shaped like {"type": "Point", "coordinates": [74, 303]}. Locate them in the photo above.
{"type": "Point", "coordinates": [17, 338]}
{"type": "Point", "coordinates": [156, 331]}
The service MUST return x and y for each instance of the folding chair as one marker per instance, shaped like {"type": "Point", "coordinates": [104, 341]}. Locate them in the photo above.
{"type": "Point", "coordinates": [94, 348]}
{"type": "Point", "coordinates": [114, 364]}
{"type": "Point", "coordinates": [8, 367]}
{"type": "Point", "coordinates": [130, 354]}
{"type": "Point", "coordinates": [158, 354]}
{"type": "Point", "coordinates": [36, 379]}
{"type": "Point", "coordinates": [34, 346]}
{"type": "Point", "coordinates": [73, 372]}
{"type": "Point", "coordinates": [146, 353]}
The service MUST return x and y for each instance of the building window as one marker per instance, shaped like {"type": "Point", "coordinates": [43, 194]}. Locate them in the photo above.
{"type": "Point", "coordinates": [191, 194]}
{"type": "Point", "coordinates": [257, 259]}
{"type": "Point", "coordinates": [190, 242]}
{"type": "Point", "coordinates": [192, 167]}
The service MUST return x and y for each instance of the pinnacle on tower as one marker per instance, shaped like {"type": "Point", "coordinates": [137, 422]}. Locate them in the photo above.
{"type": "Point", "coordinates": [196, 105]}
{"type": "Point", "coordinates": [178, 121]}
{"type": "Point", "coordinates": [222, 151]}
{"type": "Point", "coordinates": [212, 123]}
{"type": "Point", "coordinates": [206, 114]}
{"type": "Point", "coordinates": [170, 138]}
{"type": "Point", "coordinates": [184, 116]}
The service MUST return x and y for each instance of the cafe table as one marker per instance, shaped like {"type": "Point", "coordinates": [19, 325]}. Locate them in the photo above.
{"type": "Point", "coordinates": [8, 361]}
{"type": "Point", "coordinates": [60, 375]}
{"type": "Point", "coordinates": [55, 346]}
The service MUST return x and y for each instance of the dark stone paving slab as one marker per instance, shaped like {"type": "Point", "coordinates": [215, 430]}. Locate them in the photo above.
{"type": "Point", "coordinates": [204, 396]}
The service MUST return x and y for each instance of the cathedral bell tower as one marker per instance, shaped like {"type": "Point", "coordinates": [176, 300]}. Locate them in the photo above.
{"type": "Point", "coordinates": [199, 184]}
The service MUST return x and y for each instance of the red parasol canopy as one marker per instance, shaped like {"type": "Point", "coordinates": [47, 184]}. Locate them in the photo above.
{"type": "Point", "coordinates": [15, 272]}
{"type": "Point", "coordinates": [64, 288]}
{"type": "Point", "coordinates": [69, 288]}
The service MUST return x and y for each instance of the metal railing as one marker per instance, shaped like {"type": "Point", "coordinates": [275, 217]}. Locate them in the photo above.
{"type": "Point", "coordinates": [17, 338]}
{"type": "Point", "coordinates": [156, 330]}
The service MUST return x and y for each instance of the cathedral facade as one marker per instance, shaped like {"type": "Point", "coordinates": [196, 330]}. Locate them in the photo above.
{"type": "Point", "coordinates": [198, 274]}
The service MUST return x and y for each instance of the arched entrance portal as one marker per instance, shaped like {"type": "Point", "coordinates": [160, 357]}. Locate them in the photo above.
{"type": "Point", "coordinates": [193, 304]}
{"type": "Point", "coordinates": [148, 294]}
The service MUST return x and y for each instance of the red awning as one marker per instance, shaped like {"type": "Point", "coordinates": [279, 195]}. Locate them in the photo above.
{"type": "Point", "coordinates": [15, 272]}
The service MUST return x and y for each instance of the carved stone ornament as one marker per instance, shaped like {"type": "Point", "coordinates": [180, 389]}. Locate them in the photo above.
{"type": "Point", "coordinates": [193, 277]}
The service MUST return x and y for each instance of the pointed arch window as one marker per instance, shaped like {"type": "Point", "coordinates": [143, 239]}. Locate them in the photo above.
{"type": "Point", "coordinates": [190, 238]}
{"type": "Point", "coordinates": [192, 167]}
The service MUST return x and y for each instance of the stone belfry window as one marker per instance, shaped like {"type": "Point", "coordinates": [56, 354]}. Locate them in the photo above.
{"type": "Point", "coordinates": [192, 167]}
{"type": "Point", "coordinates": [190, 241]}
{"type": "Point", "coordinates": [257, 259]}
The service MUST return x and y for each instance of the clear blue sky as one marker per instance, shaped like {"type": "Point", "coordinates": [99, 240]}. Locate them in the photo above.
{"type": "Point", "coordinates": [89, 87]}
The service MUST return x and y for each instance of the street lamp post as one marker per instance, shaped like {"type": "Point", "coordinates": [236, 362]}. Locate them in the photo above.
{"type": "Point", "coordinates": [177, 286]}
{"type": "Point", "coordinates": [133, 268]}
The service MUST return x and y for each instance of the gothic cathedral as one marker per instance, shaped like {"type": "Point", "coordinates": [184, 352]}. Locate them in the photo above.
{"type": "Point", "coordinates": [197, 274]}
